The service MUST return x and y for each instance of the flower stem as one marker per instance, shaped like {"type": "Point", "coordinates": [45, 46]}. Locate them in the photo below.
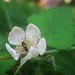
{"type": "Point", "coordinates": [51, 51]}
{"type": "Point", "coordinates": [17, 70]}
{"type": "Point", "coordinates": [18, 67]}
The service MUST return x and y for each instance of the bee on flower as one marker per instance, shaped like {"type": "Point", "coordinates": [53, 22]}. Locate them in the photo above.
{"type": "Point", "coordinates": [28, 43]}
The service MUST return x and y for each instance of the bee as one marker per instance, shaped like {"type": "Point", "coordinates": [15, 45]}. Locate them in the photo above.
{"type": "Point", "coordinates": [24, 46]}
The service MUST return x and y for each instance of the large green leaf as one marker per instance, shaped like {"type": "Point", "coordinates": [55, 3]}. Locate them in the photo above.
{"type": "Point", "coordinates": [56, 26]}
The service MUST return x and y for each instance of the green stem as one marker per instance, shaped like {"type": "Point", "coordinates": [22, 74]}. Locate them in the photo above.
{"type": "Point", "coordinates": [17, 70]}
{"type": "Point", "coordinates": [18, 67]}
{"type": "Point", "coordinates": [51, 51]}
{"type": "Point", "coordinates": [7, 14]}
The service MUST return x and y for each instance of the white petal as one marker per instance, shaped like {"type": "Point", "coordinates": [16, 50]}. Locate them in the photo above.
{"type": "Point", "coordinates": [32, 34]}
{"type": "Point", "coordinates": [41, 46]}
{"type": "Point", "coordinates": [28, 56]}
{"type": "Point", "coordinates": [32, 53]}
{"type": "Point", "coordinates": [16, 35]}
{"type": "Point", "coordinates": [13, 52]}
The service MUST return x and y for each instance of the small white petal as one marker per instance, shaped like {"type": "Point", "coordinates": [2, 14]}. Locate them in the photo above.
{"type": "Point", "coordinates": [28, 56]}
{"type": "Point", "coordinates": [32, 53]}
{"type": "Point", "coordinates": [16, 35]}
{"type": "Point", "coordinates": [32, 33]}
{"type": "Point", "coordinates": [41, 46]}
{"type": "Point", "coordinates": [13, 52]}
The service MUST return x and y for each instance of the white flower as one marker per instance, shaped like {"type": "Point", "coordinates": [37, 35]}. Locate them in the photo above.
{"type": "Point", "coordinates": [28, 43]}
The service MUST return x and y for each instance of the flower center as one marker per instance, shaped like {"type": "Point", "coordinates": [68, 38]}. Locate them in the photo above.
{"type": "Point", "coordinates": [22, 47]}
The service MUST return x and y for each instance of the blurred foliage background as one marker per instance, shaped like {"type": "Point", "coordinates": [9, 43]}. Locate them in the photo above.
{"type": "Point", "coordinates": [56, 20]}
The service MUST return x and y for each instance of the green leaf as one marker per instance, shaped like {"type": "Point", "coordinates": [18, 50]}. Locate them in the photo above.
{"type": "Point", "coordinates": [56, 26]}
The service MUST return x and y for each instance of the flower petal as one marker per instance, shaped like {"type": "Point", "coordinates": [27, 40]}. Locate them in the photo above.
{"type": "Point", "coordinates": [32, 53]}
{"type": "Point", "coordinates": [13, 52]}
{"type": "Point", "coordinates": [41, 46]}
{"type": "Point", "coordinates": [28, 56]}
{"type": "Point", "coordinates": [16, 35]}
{"type": "Point", "coordinates": [32, 34]}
